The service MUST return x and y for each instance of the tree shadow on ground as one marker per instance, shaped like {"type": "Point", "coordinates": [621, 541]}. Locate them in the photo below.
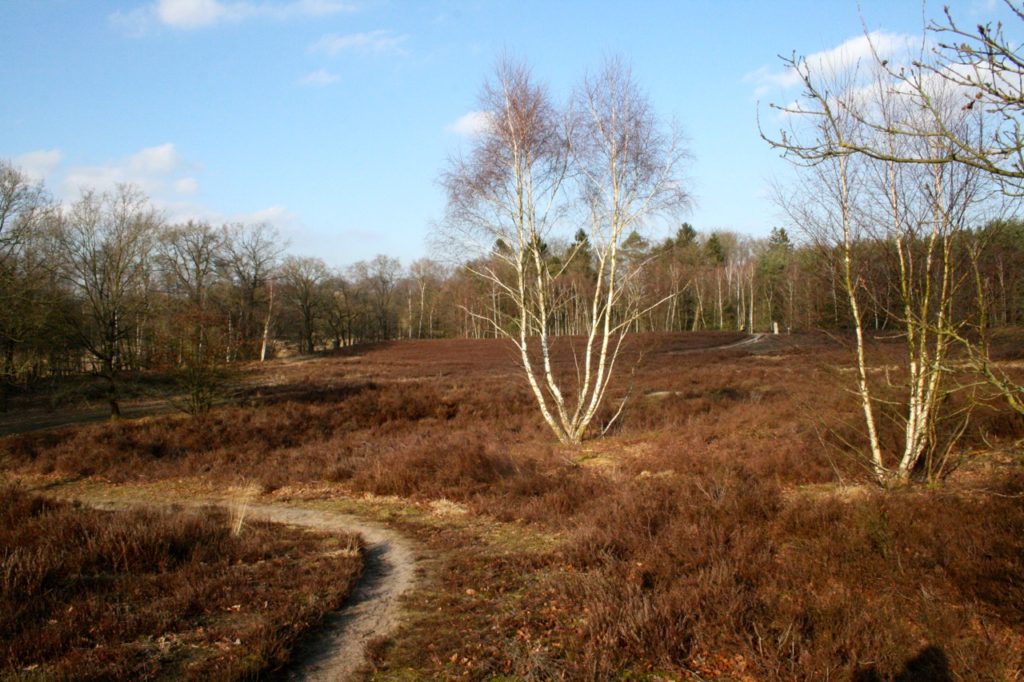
{"type": "Point", "coordinates": [929, 665]}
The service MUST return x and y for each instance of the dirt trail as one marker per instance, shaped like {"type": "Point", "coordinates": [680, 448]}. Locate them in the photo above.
{"type": "Point", "coordinates": [372, 610]}
{"type": "Point", "coordinates": [752, 339]}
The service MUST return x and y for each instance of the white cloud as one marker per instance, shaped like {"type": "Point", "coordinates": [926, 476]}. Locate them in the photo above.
{"type": "Point", "coordinates": [845, 56]}
{"type": "Point", "coordinates": [193, 14]}
{"type": "Point", "coordinates": [153, 169]}
{"type": "Point", "coordinates": [160, 171]}
{"type": "Point", "coordinates": [471, 124]}
{"type": "Point", "coordinates": [100, 178]}
{"type": "Point", "coordinates": [190, 13]}
{"type": "Point", "coordinates": [376, 42]}
{"type": "Point", "coordinates": [319, 77]}
{"type": "Point", "coordinates": [278, 216]}
{"type": "Point", "coordinates": [176, 211]}
{"type": "Point", "coordinates": [188, 185]}
{"type": "Point", "coordinates": [38, 164]}
{"type": "Point", "coordinates": [155, 160]}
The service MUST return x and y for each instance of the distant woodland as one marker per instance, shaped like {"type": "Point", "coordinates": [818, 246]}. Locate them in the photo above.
{"type": "Point", "coordinates": [106, 285]}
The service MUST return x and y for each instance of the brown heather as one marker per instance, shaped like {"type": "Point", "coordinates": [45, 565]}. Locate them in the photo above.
{"type": "Point", "coordinates": [721, 529]}
{"type": "Point", "coordinates": [98, 595]}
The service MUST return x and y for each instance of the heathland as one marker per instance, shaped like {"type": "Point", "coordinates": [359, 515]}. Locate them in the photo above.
{"type": "Point", "coordinates": [720, 529]}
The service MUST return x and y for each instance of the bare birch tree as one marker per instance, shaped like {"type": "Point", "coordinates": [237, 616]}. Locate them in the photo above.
{"type": "Point", "coordinates": [983, 70]}
{"type": "Point", "coordinates": [427, 276]}
{"type": "Point", "coordinates": [629, 166]}
{"type": "Point", "coordinates": [824, 207]}
{"type": "Point", "coordinates": [923, 210]}
{"type": "Point", "coordinates": [531, 166]}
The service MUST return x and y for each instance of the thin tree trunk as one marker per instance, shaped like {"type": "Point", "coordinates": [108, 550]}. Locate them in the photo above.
{"type": "Point", "coordinates": [266, 323]}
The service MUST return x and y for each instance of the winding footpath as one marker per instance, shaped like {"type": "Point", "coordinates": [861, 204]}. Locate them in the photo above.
{"type": "Point", "coordinates": [371, 611]}
{"type": "Point", "coordinates": [338, 650]}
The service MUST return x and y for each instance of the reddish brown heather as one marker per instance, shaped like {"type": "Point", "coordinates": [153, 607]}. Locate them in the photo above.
{"type": "Point", "coordinates": [97, 595]}
{"type": "Point", "coordinates": [704, 534]}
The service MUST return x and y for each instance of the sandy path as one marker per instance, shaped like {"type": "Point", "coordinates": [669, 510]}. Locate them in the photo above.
{"type": "Point", "coordinates": [371, 611]}
{"type": "Point", "coordinates": [756, 337]}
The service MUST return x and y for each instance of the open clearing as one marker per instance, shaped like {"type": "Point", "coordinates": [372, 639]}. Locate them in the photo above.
{"type": "Point", "coordinates": [717, 531]}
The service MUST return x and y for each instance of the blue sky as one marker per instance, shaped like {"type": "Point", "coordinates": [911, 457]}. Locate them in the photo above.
{"type": "Point", "coordinates": [332, 119]}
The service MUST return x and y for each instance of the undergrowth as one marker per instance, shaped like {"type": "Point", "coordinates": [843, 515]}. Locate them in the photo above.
{"type": "Point", "coordinates": [131, 595]}
{"type": "Point", "coordinates": [721, 529]}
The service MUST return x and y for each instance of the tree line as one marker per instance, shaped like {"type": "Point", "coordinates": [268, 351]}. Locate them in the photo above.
{"type": "Point", "coordinates": [105, 285]}
{"type": "Point", "coordinates": [725, 281]}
